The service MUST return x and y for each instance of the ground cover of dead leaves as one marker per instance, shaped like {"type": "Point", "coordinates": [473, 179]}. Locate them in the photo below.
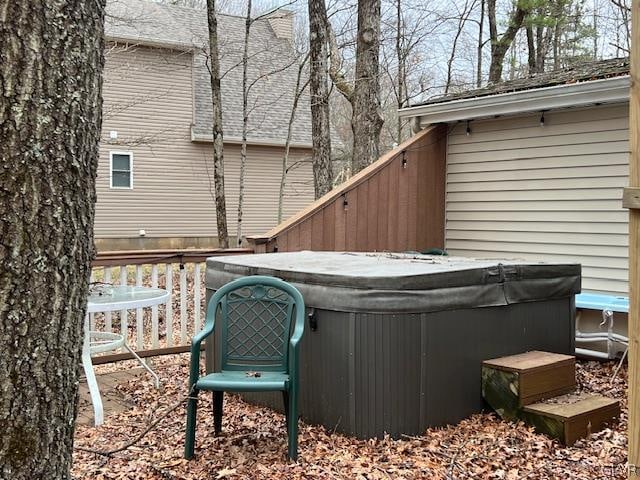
{"type": "Point", "coordinates": [253, 443]}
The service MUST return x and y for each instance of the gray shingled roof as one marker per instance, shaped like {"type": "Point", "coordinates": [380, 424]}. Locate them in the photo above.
{"type": "Point", "coordinates": [582, 72]}
{"type": "Point", "coordinates": [270, 100]}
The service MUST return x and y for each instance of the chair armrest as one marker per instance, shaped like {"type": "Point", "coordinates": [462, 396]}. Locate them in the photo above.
{"type": "Point", "coordinates": [194, 370]}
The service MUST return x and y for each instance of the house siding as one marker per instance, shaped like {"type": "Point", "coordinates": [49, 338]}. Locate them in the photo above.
{"type": "Point", "coordinates": [515, 188]}
{"type": "Point", "coordinates": [148, 101]}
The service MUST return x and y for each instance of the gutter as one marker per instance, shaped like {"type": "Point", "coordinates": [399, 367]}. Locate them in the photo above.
{"type": "Point", "coordinates": [145, 42]}
{"type": "Point", "coordinates": [608, 90]}
{"type": "Point", "coordinates": [267, 142]}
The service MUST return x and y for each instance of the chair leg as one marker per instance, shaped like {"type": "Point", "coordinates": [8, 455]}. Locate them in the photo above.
{"type": "Point", "coordinates": [218, 399]}
{"type": "Point", "coordinates": [285, 400]}
{"type": "Point", "coordinates": [292, 427]}
{"type": "Point", "coordinates": [190, 438]}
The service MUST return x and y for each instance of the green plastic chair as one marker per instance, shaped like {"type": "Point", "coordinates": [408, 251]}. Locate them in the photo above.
{"type": "Point", "coordinates": [258, 349]}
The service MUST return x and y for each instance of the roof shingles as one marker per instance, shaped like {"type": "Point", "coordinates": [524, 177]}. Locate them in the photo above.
{"type": "Point", "coordinates": [582, 72]}
{"type": "Point", "coordinates": [272, 68]}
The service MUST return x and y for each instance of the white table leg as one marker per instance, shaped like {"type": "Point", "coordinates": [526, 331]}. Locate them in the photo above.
{"type": "Point", "coordinates": [98, 413]}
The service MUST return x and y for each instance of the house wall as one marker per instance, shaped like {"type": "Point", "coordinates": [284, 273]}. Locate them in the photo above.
{"type": "Point", "coordinates": [553, 192]}
{"type": "Point", "coordinates": [390, 206]}
{"type": "Point", "coordinates": [148, 101]}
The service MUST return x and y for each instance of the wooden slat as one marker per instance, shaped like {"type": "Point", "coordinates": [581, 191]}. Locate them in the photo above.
{"type": "Point", "coordinates": [362, 217]}
{"type": "Point", "coordinates": [383, 210]}
{"type": "Point", "coordinates": [412, 200]}
{"type": "Point", "coordinates": [137, 257]}
{"type": "Point", "coordinates": [305, 234]}
{"type": "Point", "coordinates": [392, 213]}
{"type": "Point", "coordinates": [294, 239]}
{"type": "Point", "coordinates": [530, 361]}
{"type": "Point", "coordinates": [351, 223]}
{"type": "Point", "coordinates": [340, 216]}
{"type": "Point", "coordinates": [317, 222]}
{"type": "Point", "coordinates": [373, 213]}
{"type": "Point", "coordinates": [403, 203]}
{"type": "Point", "coordinates": [329, 227]}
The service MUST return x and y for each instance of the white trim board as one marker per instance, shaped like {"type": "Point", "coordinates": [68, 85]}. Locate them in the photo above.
{"type": "Point", "coordinates": [604, 91]}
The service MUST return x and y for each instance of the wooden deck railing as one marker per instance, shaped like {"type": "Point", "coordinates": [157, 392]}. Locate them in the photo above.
{"type": "Point", "coordinates": [159, 330]}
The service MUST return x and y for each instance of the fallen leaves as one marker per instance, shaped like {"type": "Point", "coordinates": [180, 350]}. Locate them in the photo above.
{"type": "Point", "coordinates": [253, 443]}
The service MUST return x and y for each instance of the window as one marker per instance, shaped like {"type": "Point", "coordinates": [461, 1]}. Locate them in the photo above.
{"type": "Point", "coordinates": [121, 169]}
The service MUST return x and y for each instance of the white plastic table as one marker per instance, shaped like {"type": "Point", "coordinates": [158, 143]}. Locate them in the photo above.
{"type": "Point", "coordinates": [114, 298]}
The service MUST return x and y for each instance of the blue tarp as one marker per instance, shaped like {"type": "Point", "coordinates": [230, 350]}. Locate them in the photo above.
{"type": "Point", "coordinates": [597, 301]}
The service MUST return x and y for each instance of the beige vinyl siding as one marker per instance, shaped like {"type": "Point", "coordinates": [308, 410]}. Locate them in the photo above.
{"type": "Point", "coordinates": [148, 100]}
{"type": "Point", "coordinates": [516, 189]}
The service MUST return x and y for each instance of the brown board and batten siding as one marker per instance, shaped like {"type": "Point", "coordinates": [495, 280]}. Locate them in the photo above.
{"type": "Point", "coordinates": [395, 204]}
{"type": "Point", "coordinates": [519, 189]}
{"type": "Point", "coordinates": [148, 101]}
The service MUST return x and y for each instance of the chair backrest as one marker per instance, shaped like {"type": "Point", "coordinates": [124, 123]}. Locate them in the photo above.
{"type": "Point", "coordinates": [254, 318]}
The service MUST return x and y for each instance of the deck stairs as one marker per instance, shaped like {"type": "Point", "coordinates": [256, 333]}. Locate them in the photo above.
{"type": "Point", "coordinates": [540, 389]}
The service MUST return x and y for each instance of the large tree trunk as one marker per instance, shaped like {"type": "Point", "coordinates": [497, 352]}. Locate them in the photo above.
{"type": "Point", "coordinates": [500, 44]}
{"type": "Point", "coordinates": [218, 146]}
{"type": "Point", "coordinates": [366, 121]}
{"type": "Point", "coordinates": [50, 119]}
{"type": "Point", "coordinates": [245, 121]}
{"type": "Point", "coordinates": [318, 84]}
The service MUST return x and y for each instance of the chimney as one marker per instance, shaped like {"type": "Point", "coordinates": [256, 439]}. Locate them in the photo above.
{"type": "Point", "coordinates": [281, 21]}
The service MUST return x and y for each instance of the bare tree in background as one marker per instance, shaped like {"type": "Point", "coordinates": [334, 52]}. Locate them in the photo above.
{"type": "Point", "coordinates": [218, 145]}
{"type": "Point", "coordinates": [500, 44]}
{"type": "Point", "coordinates": [297, 93]}
{"type": "Point", "coordinates": [463, 17]}
{"type": "Point", "coordinates": [245, 119]}
{"type": "Point", "coordinates": [50, 119]}
{"type": "Point", "coordinates": [319, 89]}
{"type": "Point", "coordinates": [367, 120]}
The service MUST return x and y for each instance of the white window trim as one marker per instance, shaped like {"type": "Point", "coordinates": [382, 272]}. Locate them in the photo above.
{"type": "Point", "coordinates": [119, 152]}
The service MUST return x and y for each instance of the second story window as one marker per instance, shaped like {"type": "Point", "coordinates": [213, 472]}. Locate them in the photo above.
{"type": "Point", "coordinates": [121, 169]}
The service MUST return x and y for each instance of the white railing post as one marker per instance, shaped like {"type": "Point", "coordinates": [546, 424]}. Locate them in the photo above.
{"type": "Point", "coordinates": [107, 316]}
{"type": "Point", "coordinates": [139, 317]}
{"type": "Point", "coordinates": [196, 298]}
{"type": "Point", "coordinates": [169, 308]}
{"type": "Point", "coordinates": [124, 325]}
{"type": "Point", "coordinates": [154, 309]}
{"type": "Point", "coordinates": [183, 304]}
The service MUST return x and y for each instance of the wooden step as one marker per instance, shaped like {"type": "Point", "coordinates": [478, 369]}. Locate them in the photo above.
{"type": "Point", "coordinates": [573, 416]}
{"type": "Point", "coordinates": [510, 383]}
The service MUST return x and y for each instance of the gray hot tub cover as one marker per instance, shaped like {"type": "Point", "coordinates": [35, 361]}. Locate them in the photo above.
{"type": "Point", "coordinates": [402, 283]}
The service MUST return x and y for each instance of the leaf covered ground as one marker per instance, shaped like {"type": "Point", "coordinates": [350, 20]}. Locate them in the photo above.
{"type": "Point", "coordinates": [253, 443]}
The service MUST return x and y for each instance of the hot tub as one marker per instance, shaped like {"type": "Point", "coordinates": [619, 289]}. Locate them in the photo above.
{"type": "Point", "coordinates": [394, 342]}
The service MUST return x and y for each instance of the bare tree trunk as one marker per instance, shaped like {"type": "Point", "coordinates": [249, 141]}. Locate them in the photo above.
{"type": "Point", "coordinates": [366, 121]}
{"type": "Point", "coordinates": [318, 82]}
{"type": "Point", "coordinates": [245, 121]}
{"type": "Point", "coordinates": [462, 20]}
{"type": "Point", "coordinates": [401, 69]}
{"type": "Point", "coordinates": [500, 44]}
{"type": "Point", "coordinates": [531, 50]}
{"type": "Point", "coordinates": [297, 93]}
{"type": "Point", "coordinates": [50, 119]}
{"type": "Point", "coordinates": [480, 44]}
{"type": "Point", "coordinates": [218, 145]}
